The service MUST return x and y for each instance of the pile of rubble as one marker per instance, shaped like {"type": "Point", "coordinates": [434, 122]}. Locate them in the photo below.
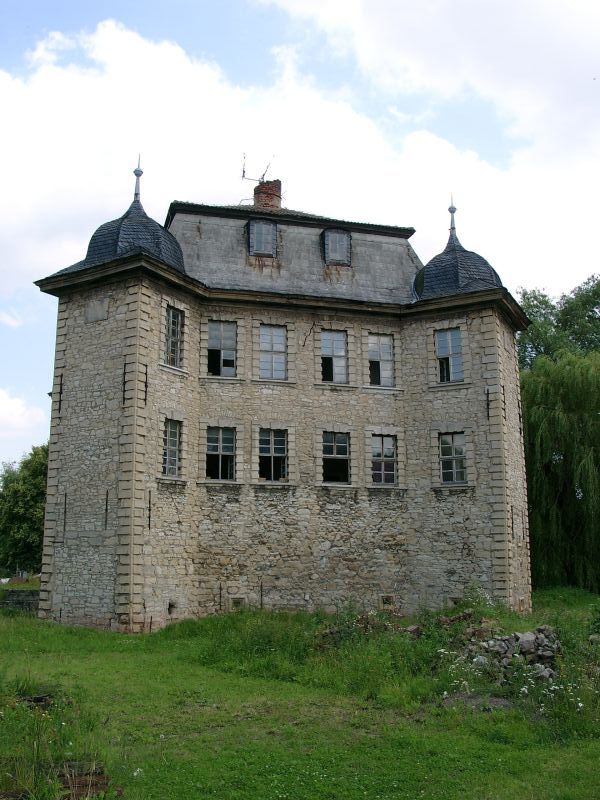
{"type": "Point", "coordinates": [537, 649]}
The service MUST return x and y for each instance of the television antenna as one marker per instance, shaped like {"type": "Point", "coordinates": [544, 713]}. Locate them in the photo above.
{"type": "Point", "coordinates": [254, 180]}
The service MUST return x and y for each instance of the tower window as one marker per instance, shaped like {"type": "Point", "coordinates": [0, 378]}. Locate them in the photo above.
{"type": "Point", "coordinates": [448, 348]}
{"type": "Point", "coordinates": [453, 465]}
{"type": "Point", "coordinates": [174, 337]}
{"type": "Point", "coordinates": [171, 460]}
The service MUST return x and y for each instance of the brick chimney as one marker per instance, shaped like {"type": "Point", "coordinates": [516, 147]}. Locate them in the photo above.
{"type": "Point", "coordinates": [268, 194]}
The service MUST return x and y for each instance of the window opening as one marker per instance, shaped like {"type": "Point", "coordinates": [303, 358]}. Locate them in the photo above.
{"type": "Point", "coordinates": [336, 457]}
{"type": "Point", "coordinates": [220, 454]}
{"type": "Point", "coordinates": [171, 461]}
{"type": "Point", "coordinates": [448, 348]}
{"type": "Point", "coordinates": [272, 454]}
{"type": "Point", "coordinates": [381, 359]}
{"type": "Point", "coordinates": [222, 345]}
{"type": "Point", "coordinates": [334, 356]}
{"type": "Point", "coordinates": [273, 352]}
{"type": "Point", "coordinates": [174, 337]}
{"type": "Point", "coordinates": [383, 459]}
{"type": "Point", "coordinates": [452, 457]}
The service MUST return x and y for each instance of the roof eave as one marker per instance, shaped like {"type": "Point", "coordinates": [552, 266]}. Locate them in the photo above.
{"type": "Point", "coordinates": [498, 297]}
{"type": "Point", "coordinates": [282, 216]}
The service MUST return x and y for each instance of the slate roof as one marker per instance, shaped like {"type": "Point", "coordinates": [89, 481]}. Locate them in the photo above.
{"type": "Point", "coordinates": [134, 232]}
{"type": "Point", "coordinates": [454, 271]}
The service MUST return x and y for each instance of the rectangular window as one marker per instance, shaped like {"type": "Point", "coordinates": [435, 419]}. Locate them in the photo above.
{"type": "Point", "coordinates": [337, 247]}
{"type": "Point", "coordinates": [222, 345]}
{"type": "Point", "coordinates": [381, 359]}
{"type": "Point", "coordinates": [383, 459]}
{"type": "Point", "coordinates": [272, 454]}
{"type": "Point", "coordinates": [174, 337]}
{"type": "Point", "coordinates": [220, 454]}
{"type": "Point", "coordinates": [453, 465]}
{"type": "Point", "coordinates": [273, 352]}
{"type": "Point", "coordinates": [171, 460]}
{"type": "Point", "coordinates": [262, 238]}
{"type": "Point", "coordinates": [448, 348]}
{"type": "Point", "coordinates": [336, 457]}
{"type": "Point", "coordinates": [334, 356]}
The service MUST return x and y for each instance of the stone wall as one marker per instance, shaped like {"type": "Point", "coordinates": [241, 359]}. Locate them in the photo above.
{"type": "Point", "coordinates": [127, 546]}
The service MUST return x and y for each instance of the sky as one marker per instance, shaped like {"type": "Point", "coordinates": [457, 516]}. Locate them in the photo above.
{"type": "Point", "coordinates": [367, 110]}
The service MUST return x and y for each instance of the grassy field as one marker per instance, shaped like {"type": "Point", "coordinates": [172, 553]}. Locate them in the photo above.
{"type": "Point", "coordinates": [302, 707]}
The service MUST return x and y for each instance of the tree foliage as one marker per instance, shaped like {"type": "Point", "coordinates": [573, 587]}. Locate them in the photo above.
{"type": "Point", "coordinates": [572, 323]}
{"type": "Point", "coordinates": [561, 409]}
{"type": "Point", "coordinates": [22, 500]}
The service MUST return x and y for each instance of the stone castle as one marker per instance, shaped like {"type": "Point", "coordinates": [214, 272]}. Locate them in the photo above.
{"type": "Point", "coordinates": [254, 406]}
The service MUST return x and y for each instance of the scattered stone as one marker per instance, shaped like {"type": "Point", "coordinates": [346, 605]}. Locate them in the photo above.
{"type": "Point", "coordinates": [537, 649]}
{"type": "Point", "coordinates": [594, 638]}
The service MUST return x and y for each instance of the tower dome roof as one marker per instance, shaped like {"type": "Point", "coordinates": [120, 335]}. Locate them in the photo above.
{"type": "Point", "coordinates": [134, 232]}
{"type": "Point", "coordinates": [454, 271]}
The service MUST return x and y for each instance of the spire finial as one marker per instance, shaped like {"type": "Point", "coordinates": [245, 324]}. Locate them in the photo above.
{"type": "Point", "coordinates": [452, 211]}
{"type": "Point", "coordinates": [138, 174]}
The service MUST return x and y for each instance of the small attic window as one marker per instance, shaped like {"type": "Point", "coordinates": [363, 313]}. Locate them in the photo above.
{"type": "Point", "coordinates": [337, 247]}
{"type": "Point", "coordinates": [262, 238]}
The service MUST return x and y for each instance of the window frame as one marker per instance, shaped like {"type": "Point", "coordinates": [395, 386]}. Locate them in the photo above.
{"type": "Point", "coordinates": [221, 454]}
{"type": "Point", "coordinates": [272, 353]}
{"type": "Point", "coordinates": [270, 457]}
{"type": "Point", "coordinates": [450, 360]}
{"type": "Point", "coordinates": [210, 361]}
{"type": "Point", "coordinates": [173, 352]}
{"type": "Point", "coordinates": [253, 250]}
{"type": "Point", "coordinates": [453, 458]}
{"type": "Point", "coordinates": [172, 452]}
{"type": "Point", "coordinates": [329, 360]}
{"type": "Point", "coordinates": [336, 260]}
{"type": "Point", "coordinates": [336, 457]}
{"type": "Point", "coordinates": [391, 360]}
{"type": "Point", "coordinates": [383, 460]}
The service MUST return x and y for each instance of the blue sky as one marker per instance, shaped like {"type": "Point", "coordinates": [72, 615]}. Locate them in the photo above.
{"type": "Point", "coordinates": [385, 106]}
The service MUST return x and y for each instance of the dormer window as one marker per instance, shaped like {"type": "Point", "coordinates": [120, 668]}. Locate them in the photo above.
{"type": "Point", "coordinates": [262, 238]}
{"type": "Point", "coordinates": [337, 247]}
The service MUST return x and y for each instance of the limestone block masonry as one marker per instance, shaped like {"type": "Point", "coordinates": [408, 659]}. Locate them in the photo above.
{"type": "Point", "coordinates": [131, 546]}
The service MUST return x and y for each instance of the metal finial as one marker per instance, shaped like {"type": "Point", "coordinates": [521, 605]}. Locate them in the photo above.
{"type": "Point", "coordinates": [452, 211]}
{"type": "Point", "coordinates": [138, 174]}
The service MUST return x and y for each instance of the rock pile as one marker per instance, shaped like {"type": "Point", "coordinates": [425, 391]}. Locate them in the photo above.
{"type": "Point", "coordinates": [538, 649]}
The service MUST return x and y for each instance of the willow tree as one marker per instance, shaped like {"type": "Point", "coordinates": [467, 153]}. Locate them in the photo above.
{"type": "Point", "coordinates": [561, 406]}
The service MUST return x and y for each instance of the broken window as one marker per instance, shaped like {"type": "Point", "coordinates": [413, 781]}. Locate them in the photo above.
{"type": "Point", "coordinates": [272, 454]}
{"type": "Point", "coordinates": [336, 457]}
{"type": "Point", "coordinates": [381, 359]}
{"type": "Point", "coordinates": [448, 348]}
{"type": "Point", "coordinates": [222, 344]}
{"type": "Point", "coordinates": [273, 352]}
{"type": "Point", "coordinates": [336, 247]}
{"type": "Point", "coordinates": [334, 356]}
{"type": "Point", "coordinates": [220, 454]}
{"type": "Point", "coordinates": [453, 464]}
{"type": "Point", "coordinates": [383, 459]}
{"type": "Point", "coordinates": [174, 337]}
{"type": "Point", "coordinates": [171, 460]}
{"type": "Point", "coordinates": [262, 238]}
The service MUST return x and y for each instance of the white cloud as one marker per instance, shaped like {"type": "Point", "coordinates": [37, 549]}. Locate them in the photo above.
{"type": "Point", "coordinates": [77, 123]}
{"type": "Point", "coordinates": [11, 318]}
{"type": "Point", "coordinates": [20, 425]}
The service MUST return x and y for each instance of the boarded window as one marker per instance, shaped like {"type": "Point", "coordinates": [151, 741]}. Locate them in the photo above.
{"type": "Point", "coordinates": [262, 238]}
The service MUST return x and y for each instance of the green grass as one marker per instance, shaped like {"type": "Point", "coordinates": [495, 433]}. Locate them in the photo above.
{"type": "Point", "coordinates": [301, 706]}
